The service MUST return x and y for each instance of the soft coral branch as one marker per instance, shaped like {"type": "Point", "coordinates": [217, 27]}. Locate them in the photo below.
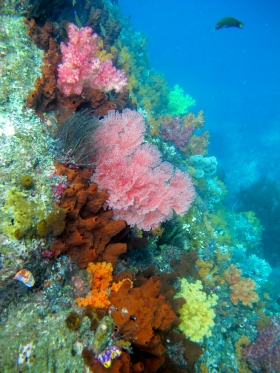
{"type": "Point", "coordinates": [81, 68]}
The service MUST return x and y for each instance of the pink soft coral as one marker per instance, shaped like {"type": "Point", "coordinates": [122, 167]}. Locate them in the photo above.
{"type": "Point", "coordinates": [80, 68]}
{"type": "Point", "coordinates": [143, 190]}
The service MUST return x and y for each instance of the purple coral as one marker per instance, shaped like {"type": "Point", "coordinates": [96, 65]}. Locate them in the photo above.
{"type": "Point", "coordinates": [175, 131]}
{"type": "Point", "coordinates": [264, 354]}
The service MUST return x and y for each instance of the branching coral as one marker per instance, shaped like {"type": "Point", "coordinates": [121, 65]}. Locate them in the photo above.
{"type": "Point", "coordinates": [178, 102]}
{"type": "Point", "coordinates": [180, 129]}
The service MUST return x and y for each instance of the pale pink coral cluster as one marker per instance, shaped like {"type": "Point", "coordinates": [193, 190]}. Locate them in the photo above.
{"type": "Point", "coordinates": [80, 67]}
{"type": "Point", "coordinates": [142, 189]}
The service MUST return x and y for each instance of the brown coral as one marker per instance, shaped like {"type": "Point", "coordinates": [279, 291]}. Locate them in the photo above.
{"type": "Point", "coordinates": [89, 229]}
{"type": "Point", "coordinates": [45, 92]}
{"type": "Point", "coordinates": [40, 35]}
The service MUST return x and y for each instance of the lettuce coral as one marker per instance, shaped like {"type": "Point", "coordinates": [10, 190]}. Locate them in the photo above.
{"type": "Point", "coordinates": [197, 314]}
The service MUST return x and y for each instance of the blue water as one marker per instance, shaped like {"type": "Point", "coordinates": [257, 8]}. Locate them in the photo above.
{"type": "Point", "coordinates": [232, 73]}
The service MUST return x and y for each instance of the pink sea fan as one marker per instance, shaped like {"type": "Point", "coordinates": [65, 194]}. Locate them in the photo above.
{"type": "Point", "coordinates": [143, 190]}
{"type": "Point", "coordinates": [82, 68]}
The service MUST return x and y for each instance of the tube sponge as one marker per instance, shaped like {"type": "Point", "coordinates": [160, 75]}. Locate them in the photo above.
{"type": "Point", "coordinates": [197, 314]}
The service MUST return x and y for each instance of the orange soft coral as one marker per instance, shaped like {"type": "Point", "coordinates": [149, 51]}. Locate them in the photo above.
{"type": "Point", "coordinates": [101, 280]}
{"type": "Point", "coordinates": [97, 299]}
{"type": "Point", "coordinates": [243, 289]}
{"type": "Point", "coordinates": [101, 275]}
{"type": "Point", "coordinates": [234, 275]}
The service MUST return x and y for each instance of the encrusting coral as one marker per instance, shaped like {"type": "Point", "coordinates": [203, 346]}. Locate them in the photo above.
{"type": "Point", "coordinates": [89, 229]}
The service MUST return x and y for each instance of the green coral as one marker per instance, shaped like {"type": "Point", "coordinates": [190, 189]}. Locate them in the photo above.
{"type": "Point", "coordinates": [178, 102]}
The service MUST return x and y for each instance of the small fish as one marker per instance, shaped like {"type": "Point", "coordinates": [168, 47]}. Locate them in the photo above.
{"type": "Point", "coordinates": [120, 58]}
{"type": "Point", "coordinates": [77, 19]}
{"type": "Point", "coordinates": [103, 30]}
{"type": "Point", "coordinates": [228, 22]}
{"type": "Point", "coordinates": [25, 277]}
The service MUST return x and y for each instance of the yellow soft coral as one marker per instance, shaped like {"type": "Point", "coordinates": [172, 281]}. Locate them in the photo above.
{"type": "Point", "coordinates": [197, 314]}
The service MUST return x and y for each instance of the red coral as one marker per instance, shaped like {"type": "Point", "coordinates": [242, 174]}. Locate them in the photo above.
{"type": "Point", "coordinates": [142, 189]}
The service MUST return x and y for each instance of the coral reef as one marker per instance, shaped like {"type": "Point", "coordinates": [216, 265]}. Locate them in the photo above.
{"type": "Point", "coordinates": [111, 317]}
{"type": "Point", "coordinates": [46, 96]}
